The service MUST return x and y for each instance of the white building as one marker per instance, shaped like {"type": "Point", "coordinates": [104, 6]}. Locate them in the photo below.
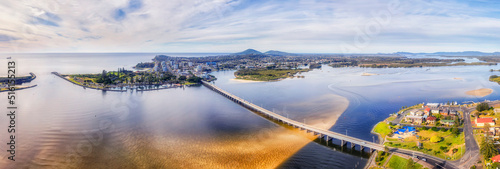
{"type": "Point", "coordinates": [190, 64]}
{"type": "Point", "coordinates": [433, 105]}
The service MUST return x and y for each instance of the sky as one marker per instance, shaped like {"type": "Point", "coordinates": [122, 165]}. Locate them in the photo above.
{"type": "Point", "coordinates": [223, 26]}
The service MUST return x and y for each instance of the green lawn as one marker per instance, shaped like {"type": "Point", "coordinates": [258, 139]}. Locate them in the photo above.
{"type": "Point", "coordinates": [383, 129]}
{"type": "Point", "coordinates": [397, 162]}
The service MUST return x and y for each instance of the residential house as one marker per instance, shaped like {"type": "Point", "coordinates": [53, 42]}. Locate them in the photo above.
{"type": "Point", "coordinates": [431, 120]}
{"type": "Point", "coordinates": [495, 159]}
{"type": "Point", "coordinates": [480, 122]}
{"type": "Point", "coordinates": [453, 113]}
{"type": "Point", "coordinates": [414, 119]}
{"type": "Point", "coordinates": [435, 111]}
{"type": "Point", "coordinates": [427, 111]}
{"type": "Point", "coordinates": [444, 112]}
{"type": "Point", "coordinates": [416, 113]}
{"type": "Point", "coordinates": [448, 122]}
{"type": "Point", "coordinates": [496, 110]}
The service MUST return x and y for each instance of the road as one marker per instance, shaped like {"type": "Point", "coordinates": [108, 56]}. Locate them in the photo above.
{"type": "Point", "coordinates": [471, 155]}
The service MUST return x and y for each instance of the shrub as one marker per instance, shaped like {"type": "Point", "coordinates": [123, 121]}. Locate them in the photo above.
{"type": "Point", "coordinates": [434, 129]}
{"type": "Point", "coordinates": [435, 139]}
{"type": "Point", "coordinates": [443, 129]}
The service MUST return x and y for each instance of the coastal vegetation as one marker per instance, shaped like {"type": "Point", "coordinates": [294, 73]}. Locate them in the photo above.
{"type": "Point", "coordinates": [382, 157]}
{"type": "Point", "coordinates": [267, 74]}
{"type": "Point", "coordinates": [495, 78]}
{"type": "Point", "coordinates": [383, 129]}
{"type": "Point", "coordinates": [144, 65]}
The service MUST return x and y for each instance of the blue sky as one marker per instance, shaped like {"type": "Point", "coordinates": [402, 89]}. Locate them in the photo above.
{"type": "Point", "coordinates": [301, 26]}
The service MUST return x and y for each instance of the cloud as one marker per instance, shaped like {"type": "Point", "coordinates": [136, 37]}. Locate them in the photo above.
{"type": "Point", "coordinates": [306, 26]}
{"type": "Point", "coordinates": [6, 38]}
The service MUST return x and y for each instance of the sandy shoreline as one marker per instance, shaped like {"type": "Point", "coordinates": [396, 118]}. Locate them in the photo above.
{"type": "Point", "coordinates": [245, 81]}
{"type": "Point", "coordinates": [368, 74]}
{"type": "Point", "coordinates": [480, 92]}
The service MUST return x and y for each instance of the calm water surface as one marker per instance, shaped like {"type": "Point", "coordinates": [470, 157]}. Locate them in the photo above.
{"type": "Point", "coordinates": [59, 122]}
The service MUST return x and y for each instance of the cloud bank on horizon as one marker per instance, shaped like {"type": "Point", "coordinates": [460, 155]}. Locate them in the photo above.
{"type": "Point", "coordinates": [301, 26]}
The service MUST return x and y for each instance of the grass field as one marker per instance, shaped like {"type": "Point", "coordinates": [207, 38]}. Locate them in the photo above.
{"type": "Point", "coordinates": [383, 129]}
{"type": "Point", "coordinates": [442, 149]}
{"type": "Point", "coordinates": [266, 75]}
{"type": "Point", "coordinates": [397, 162]}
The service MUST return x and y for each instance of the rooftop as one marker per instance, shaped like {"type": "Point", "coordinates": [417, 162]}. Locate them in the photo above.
{"type": "Point", "coordinates": [484, 120]}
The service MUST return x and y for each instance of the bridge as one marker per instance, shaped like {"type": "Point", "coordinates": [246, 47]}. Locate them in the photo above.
{"type": "Point", "coordinates": [322, 133]}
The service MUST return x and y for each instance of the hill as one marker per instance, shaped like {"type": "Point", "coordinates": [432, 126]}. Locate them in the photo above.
{"type": "Point", "coordinates": [249, 52]}
{"type": "Point", "coordinates": [279, 53]}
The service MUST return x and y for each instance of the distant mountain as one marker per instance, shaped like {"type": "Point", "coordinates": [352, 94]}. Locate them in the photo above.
{"type": "Point", "coordinates": [464, 53]}
{"type": "Point", "coordinates": [279, 53]}
{"type": "Point", "coordinates": [249, 52]}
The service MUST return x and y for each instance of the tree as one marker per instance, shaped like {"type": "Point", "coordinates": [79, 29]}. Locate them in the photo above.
{"type": "Point", "coordinates": [410, 164]}
{"type": "Point", "coordinates": [455, 131]}
{"type": "Point", "coordinates": [435, 139]}
{"type": "Point", "coordinates": [455, 150]}
{"type": "Point", "coordinates": [486, 128]}
{"type": "Point", "coordinates": [495, 165]}
{"type": "Point", "coordinates": [182, 78]}
{"type": "Point", "coordinates": [434, 129]}
{"type": "Point", "coordinates": [443, 129]}
{"type": "Point", "coordinates": [482, 107]}
{"type": "Point", "coordinates": [488, 149]}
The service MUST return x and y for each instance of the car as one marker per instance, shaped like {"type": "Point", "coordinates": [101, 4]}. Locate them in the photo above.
{"type": "Point", "coordinates": [423, 159]}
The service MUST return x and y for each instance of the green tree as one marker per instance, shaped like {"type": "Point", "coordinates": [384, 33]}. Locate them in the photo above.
{"type": "Point", "coordinates": [486, 128]}
{"type": "Point", "coordinates": [482, 107]}
{"type": "Point", "coordinates": [455, 131]}
{"type": "Point", "coordinates": [488, 149]}
{"type": "Point", "coordinates": [182, 78]}
{"type": "Point", "coordinates": [443, 129]}
{"type": "Point", "coordinates": [495, 165]}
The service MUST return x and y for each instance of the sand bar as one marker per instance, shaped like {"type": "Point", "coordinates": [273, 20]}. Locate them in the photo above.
{"type": "Point", "coordinates": [480, 92]}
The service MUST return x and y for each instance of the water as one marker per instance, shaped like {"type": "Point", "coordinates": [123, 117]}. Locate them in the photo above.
{"type": "Point", "coordinates": [62, 125]}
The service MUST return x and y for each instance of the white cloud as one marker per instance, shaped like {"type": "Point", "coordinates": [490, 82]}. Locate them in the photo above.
{"type": "Point", "coordinates": [229, 26]}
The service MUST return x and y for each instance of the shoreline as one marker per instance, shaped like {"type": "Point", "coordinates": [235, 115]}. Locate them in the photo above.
{"type": "Point", "coordinates": [245, 81]}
